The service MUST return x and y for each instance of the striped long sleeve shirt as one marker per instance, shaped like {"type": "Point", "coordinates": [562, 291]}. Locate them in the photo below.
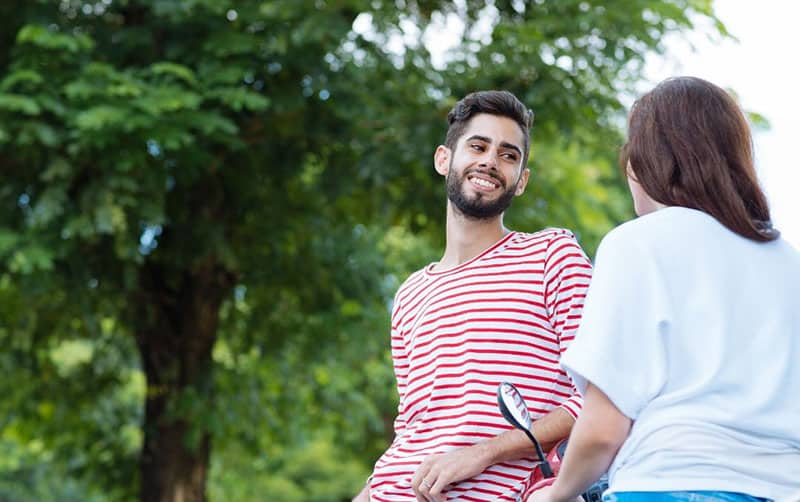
{"type": "Point", "coordinates": [505, 315]}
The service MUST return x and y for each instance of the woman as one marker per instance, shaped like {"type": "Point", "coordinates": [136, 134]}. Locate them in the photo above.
{"type": "Point", "coordinates": [688, 353]}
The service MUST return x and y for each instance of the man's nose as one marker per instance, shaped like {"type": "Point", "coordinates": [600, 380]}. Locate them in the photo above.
{"type": "Point", "coordinates": [489, 159]}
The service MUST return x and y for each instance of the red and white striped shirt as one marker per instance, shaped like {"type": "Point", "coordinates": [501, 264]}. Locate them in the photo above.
{"type": "Point", "coordinates": [505, 315]}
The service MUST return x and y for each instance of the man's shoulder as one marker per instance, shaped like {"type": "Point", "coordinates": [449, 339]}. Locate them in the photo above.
{"type": "Point", "coordinates": [545, 234]}
{"type": "Point", "coordinates": [548, 238]}
{"type": "Point", "coordinates": [411, 282]}
{"type": "Point", "coordinates": [415, 277]}
{"type": "Point", "coordinates": [408, 288]}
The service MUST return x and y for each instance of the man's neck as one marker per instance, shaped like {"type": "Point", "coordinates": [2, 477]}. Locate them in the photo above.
{"type": "Point", "coordinates": [467, 237]}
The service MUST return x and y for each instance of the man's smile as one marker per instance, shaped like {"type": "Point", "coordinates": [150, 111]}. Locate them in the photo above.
{"type": "Point", "coordinates": [483, 182]}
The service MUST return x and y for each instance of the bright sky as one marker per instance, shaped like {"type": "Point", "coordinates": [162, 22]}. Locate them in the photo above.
{"type": "Point", "coordinates": [762, 69]}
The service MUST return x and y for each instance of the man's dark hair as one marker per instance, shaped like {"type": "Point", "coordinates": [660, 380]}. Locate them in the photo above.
{"type": "Point", "coordinates": [501, 103]}
{"type": "Point", "coordinates": [689, 145]}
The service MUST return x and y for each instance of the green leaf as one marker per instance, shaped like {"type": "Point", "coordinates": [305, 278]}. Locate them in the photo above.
{"type": "Point", "coordinates": [58, 168]}
{"type": "Point", "coordinates": [238, 98]}
{"type": "Point", "coordinates": [99, 70]}
{"type": "Point", "coordinates": [21, 104]}
{"type": "Point", "coordinates": [109, 218]}
{"type": "Point", "coordinates": [54, 106]}
{"type": "Point", "coordinates": [70, 354]}
{"type": "Point", "coordinates": [173, 138]}
{"type": "Point", "coordinates": [213, 73]}
{"type": "Point", "coordinates": [101, 117]}
{"type": "Point", "coordinates": [8, 240]}
{"type": "Point", "coordinates": [49, 205]}
{"type": "Point", "coordinates": [125, 90]}
{"type": "Point", "coordinates": [274, 11]}
{"type": "Point", "coordinates": [22, 76]}
{"type": "Point", "coordinates": [167, 99]}
{"type": "Point", "coordinates": [47, 135]}
{"type": "Point", "coordinates": [46, 39]}
{"type": "Point", "coordinates": [78, 226]}
{"type": "Point", "coordinates": [210, 123]}
{"type": "Point", "coordinates": [81, 89]}
{"type": "Point", "coordinates": [758, 122]}
{"type": "Point", "coordinates": [351, 308]}
{"type": "Point", "coordinates": [176, 70]}
{"type": "Point", "coordinates": [31, 259]}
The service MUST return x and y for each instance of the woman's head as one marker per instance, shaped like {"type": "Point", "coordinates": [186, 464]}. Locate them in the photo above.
{"type": "Point", "coordinates": [689, 145]}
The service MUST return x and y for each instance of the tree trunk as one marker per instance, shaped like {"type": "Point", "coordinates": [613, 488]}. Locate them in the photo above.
{"type": "Point", "coordinates": [176, 330]}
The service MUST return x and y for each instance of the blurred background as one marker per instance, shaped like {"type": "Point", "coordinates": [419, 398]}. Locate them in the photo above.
{"type": "Point", "coordinates": [208, 205]}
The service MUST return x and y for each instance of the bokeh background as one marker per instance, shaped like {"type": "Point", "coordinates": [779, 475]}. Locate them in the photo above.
{"type": "Point", "coordinates": [207, 206]}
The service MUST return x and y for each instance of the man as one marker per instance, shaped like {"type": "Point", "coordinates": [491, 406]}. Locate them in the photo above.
{"type": "Point", "coordinates": [499, 306]}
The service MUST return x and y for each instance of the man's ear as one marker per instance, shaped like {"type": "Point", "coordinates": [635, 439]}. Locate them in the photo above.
{"type": "Point", "coordinates": [441, 159]}
{"type": "Point", "coordinates": [523, 181]}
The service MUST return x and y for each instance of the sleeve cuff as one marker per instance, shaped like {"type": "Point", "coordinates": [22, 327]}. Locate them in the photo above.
{"type": "Point", "coordinates": [573, 405]}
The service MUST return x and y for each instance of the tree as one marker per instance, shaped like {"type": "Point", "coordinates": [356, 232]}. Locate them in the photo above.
{"type": "Point", "coordinates": [177, 170]}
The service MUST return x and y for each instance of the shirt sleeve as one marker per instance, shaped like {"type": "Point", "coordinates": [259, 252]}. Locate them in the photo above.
{"type": "Point", "coordinates": [620, 345]}
{"type": "Point", "coordinates": [567, 275]}
{"type": "Point", "coordinates": [401, 367]}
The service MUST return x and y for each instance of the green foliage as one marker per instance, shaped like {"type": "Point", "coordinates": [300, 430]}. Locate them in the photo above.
{"type": "Point", "coordinates": [315, 470]}
{"type": "Point", "coordinates": [39, 482]}
{"type": "Point", "coordinates": [48, 40]}
{"type": "Point", "coordinates": [289, 146]}
{"type": "Point", "coordinates": [16, 103]}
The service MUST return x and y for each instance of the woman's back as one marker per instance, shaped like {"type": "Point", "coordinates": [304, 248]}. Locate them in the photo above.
{"type": "Point", "coordinates": [702, 329]}
{"type": "Point", "coordinates": [733, 336]}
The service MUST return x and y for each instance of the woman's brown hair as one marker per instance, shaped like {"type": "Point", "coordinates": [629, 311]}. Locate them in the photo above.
{"type": "Point", "coordinates": [689, 145]}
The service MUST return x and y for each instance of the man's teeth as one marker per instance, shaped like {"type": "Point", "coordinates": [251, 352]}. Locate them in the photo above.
{"type": "Point", "coordinates": [483, 183]}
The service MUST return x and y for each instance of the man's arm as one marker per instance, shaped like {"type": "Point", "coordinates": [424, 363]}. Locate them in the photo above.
{"type": "Point", "coordinates": [567, 275]}
{"type": "Point", "coordinates": [400, 364]}
{"type": "Point", "coordinates": [514, 444]}
{"type": "Point", "coordinates": [438, 471]}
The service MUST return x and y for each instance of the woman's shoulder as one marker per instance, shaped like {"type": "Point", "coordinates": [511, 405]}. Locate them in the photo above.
{"type": "Point", "coordinates": [660, 225]}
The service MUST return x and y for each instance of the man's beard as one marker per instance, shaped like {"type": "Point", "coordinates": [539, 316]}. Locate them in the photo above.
{"type": "Point", "coordinates": [476, 208]}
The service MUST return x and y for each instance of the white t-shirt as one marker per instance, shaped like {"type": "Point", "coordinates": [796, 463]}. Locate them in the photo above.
{"type": "Point", "coordinates": [693, 332]}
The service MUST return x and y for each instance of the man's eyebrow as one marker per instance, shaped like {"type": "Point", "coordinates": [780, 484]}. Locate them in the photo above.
{"type": "Point", "coordinates": [480, 138]}
{"type": "Point", "coordinates": [512, 146]}
{"type": "Point", "coordinates": [503, 144]}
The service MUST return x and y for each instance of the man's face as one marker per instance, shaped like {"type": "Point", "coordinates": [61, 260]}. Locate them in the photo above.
{"type": "Point", "coordinates": [485, 170]}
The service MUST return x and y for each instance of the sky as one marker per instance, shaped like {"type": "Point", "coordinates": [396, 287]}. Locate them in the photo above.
{"type": "Point", "coordinates": [761, 68]}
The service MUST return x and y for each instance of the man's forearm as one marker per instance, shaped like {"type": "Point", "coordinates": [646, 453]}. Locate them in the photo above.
{"type": "Point", "coordinates": [514, 444]}
{"type": "Point", "coordinates": [552, 428]}
{"type": "Point", "coordinates": [440, 470]}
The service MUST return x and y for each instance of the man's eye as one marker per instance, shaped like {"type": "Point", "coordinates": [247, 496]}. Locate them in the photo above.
{"type": "Point", "coordinates": [477, 147]}
{"type": "Point", "coordinates": [510, 156]}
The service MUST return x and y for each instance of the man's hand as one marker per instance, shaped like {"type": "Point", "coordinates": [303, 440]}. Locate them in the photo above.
{"type": "Point", "coordinates": [363, 495]}
{"type": "Point", "coordinates": [438, 471]}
